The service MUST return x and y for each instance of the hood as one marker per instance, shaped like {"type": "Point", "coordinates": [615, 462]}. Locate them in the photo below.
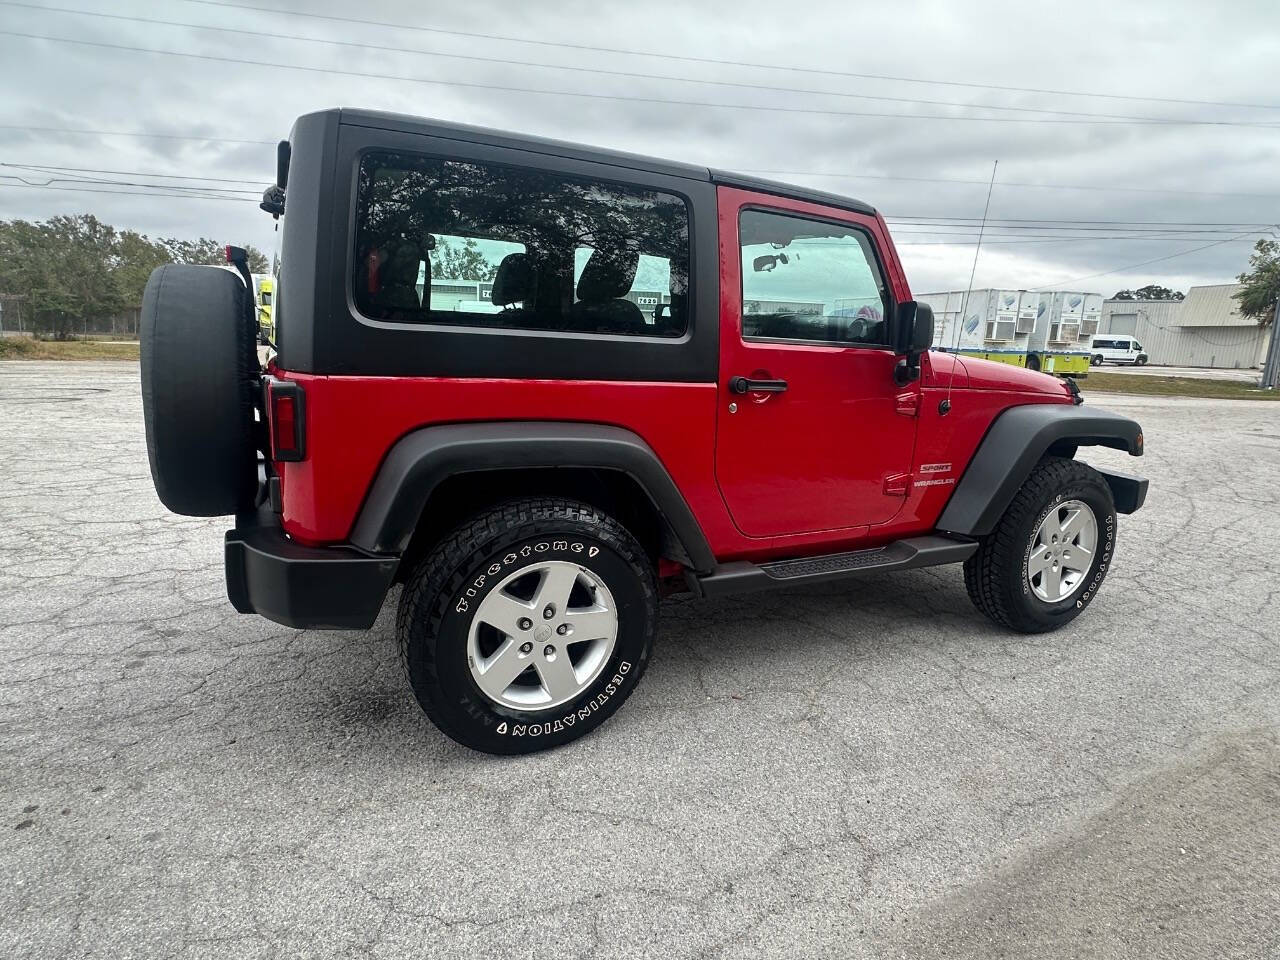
{"type": "Point", "coordinates": [990, 375]}
{"type": "Point", "coordinates": [943, 369]}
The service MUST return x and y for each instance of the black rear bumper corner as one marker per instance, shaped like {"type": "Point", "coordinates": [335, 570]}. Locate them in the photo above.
{"type": "Point", "coordinates": [334, 588]}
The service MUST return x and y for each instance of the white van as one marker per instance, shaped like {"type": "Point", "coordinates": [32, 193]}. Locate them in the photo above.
{"type": "Point", "coordinates": [1112, 348]}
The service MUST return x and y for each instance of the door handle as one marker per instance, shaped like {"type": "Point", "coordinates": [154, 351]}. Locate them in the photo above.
{"type": "Point", "coordinates": [746, 385]}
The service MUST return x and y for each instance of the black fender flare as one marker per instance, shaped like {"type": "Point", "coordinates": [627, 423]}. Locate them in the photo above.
{"type": "Point", "coordinates": [1014, 444]}
{"type": "Point", "coordinates": [421, 460]}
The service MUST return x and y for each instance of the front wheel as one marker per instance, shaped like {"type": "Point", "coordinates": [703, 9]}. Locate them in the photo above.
{"type": "Point", "coordinates": [528, 626]}
{"type": "Point", "coordinates": [1048, 555]}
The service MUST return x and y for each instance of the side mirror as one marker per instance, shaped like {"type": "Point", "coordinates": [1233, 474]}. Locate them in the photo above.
{"type": "Point", "coordinates": [273, 196]}
{"type": "Point", "coordinates": [913, 335]}
{"type": "Point", "coordinates": [284, 153]}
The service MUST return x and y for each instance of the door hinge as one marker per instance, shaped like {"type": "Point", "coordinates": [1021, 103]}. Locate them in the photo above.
{"type": "Point", "coordinates": [897, 484]}
{"type": "Point", "coordinates": [907, 404]}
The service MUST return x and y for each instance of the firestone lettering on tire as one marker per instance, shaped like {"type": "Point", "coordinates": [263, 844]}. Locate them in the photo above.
{"type": "Point", "coordinates": [569, 719]}
{"type": "Point", "coordinates": [462, 606]}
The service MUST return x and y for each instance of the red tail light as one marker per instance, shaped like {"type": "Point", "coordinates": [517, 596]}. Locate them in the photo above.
{"type": "Point", "coordinates": [287, 409]}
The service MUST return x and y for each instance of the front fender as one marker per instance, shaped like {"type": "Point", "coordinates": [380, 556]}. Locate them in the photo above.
{"type": "Point", "coordinates": [1018, 438]}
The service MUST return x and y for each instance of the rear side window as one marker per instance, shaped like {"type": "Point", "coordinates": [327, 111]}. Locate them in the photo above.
{"type": "Point", "coordinates": [471, 244]}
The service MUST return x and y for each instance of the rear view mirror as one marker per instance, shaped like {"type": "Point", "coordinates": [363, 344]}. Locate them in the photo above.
{"type": "Point", "coordinates": [768, 262]}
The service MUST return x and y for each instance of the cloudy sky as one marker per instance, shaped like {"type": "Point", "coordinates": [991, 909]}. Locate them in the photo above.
{"type": "Point", "coordinates": [876, 100]}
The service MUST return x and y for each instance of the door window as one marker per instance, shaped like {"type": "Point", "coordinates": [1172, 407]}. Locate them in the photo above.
{"type": "Point", "coordinates": [810, 280]}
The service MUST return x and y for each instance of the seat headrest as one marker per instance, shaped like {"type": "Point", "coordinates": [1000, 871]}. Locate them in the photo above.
{"type": "Point", "coordinates": [608, 275]}
{"type": "Point", "coordinates": [391, 275]}
{"type": "Point", "coordinates": [514, 281]}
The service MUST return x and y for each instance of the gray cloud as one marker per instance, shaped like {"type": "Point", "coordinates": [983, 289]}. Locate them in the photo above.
{"type": "Point", "coordinates": [1170, 49]}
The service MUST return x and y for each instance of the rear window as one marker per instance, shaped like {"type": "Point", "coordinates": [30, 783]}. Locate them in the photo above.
{"type": "Point", "coordinates": [470, 244]}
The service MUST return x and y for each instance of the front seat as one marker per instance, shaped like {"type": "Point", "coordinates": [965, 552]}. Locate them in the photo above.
{"type": "Point", "coordinates": [392, 279]}
{"type": "Point", "coordinates": [514, 282]}
{"type": "Point", "coordinates": [606, 279]}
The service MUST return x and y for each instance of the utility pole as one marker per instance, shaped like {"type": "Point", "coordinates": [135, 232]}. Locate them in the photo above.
{"type": "Point", "coordinates": [1271, 371]}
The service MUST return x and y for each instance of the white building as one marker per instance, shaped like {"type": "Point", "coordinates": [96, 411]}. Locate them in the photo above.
{"type": "Point", "coordinates": [1204, 330]}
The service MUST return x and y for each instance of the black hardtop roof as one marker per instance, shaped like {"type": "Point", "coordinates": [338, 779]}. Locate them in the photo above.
{"type": "Point", "coordinates": [560, 148]}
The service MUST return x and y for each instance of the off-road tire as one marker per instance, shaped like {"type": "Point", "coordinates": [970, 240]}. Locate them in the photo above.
{"type": "Point", "coordinates": [199, 377]}
{"type": "Point", "coordinates": [996, 574]}
{"type": "Point", "coordinates": [446, 589]}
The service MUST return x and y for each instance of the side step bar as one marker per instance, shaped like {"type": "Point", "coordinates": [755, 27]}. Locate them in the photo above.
{"type": "Point", "coordinates": [741, 577]}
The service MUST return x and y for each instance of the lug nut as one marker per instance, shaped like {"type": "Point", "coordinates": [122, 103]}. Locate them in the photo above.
{"type": "Point", "coordinates": [526, 647]}
{"type": "Point", "coordinates": [548, 613]}
{"type": "Point", "coordinates": [524, 623]}
{"type": "Point", "coordinates": [550, 651]}
{"type": "Point", "coordinates": [563, 629]}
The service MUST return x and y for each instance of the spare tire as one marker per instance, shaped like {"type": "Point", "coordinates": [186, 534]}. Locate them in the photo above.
{"type": "Point", "coordinates": [199, 380]}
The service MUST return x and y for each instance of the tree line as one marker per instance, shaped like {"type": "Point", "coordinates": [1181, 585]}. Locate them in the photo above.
{"type": "Point", "coordinates": [71, 272]}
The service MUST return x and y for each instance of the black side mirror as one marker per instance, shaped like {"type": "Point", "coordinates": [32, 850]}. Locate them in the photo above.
{"type": "Point", "coordinates": [284, 153]}
{"type": "Point", "coordinates": [913, 335]}
{"type": "Point", "coordinates": [273, 196]}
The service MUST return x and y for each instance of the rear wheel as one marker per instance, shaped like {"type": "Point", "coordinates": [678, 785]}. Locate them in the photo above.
{"type": "Point", "coordinates": [1050, 552]}
{"type": "Point", "coordinates": [528, 626]}
{"type": "Point", "coordinates": [1096, 360]}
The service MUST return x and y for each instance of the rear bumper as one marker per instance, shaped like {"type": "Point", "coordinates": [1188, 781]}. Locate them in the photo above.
{"type": "Point", "coordinates": [335, 588]}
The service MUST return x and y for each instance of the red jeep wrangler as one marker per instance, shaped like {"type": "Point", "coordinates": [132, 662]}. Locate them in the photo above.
{"type": "Point", "coordinates": [537, 383]}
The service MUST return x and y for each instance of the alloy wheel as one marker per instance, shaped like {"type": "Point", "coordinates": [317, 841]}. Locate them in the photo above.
{"type": "Point", "coordinates": [542, 635]}
{"type": "Point", "coordinates": [1062, 550]}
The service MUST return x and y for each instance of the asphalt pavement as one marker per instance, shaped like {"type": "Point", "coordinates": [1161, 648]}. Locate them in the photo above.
{"type": "Point", "coordinates": [838, 771]}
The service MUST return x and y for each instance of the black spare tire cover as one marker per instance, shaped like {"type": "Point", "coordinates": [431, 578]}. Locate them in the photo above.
{"type": "Point", "coordinates": [199, 377]}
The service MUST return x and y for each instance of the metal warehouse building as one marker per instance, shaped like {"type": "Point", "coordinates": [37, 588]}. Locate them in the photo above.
{"type": "Point", "coordinates": [1204, 330]}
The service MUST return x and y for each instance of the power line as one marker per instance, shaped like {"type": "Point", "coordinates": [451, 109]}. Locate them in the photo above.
{"type": "Point", "coordinates": [133, 133]}
{"type": "Point", "coordinates": [617, 98]}
{"type": "Point", "coordinates": [383, 48]}
{"type": "Point", "coordinates": [129, 183]}
{"type": "Point", "coordinates": [125, 193]}
{"type": "Point", "coordinates": [1102, 227]}
{"type": "Point", "coordinates": [983, 183]}
{"type": "Point", "coordinates": [793, 173]}
{"type": "Point", "coordinates": [755, 65]}
{"type": "Point", "coordinates": [1143, 223]}
{"type": "Point", "coordinates": [1144, 263]}
{"type": "Point", "coordinates": [127, 173]}
{"type": "Point", "coordinates": [966, 241]}
{"type": "Point", "coordinates": [944, 223]}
